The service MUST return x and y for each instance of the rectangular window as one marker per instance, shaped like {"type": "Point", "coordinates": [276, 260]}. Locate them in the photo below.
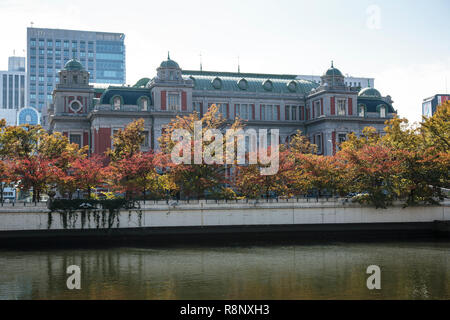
{"type": "Point", "coordinates": [287, 112]}
{"type": "Point", "coordinates": [383, 112]}
{"type": "Point", "coordinates": [294, 113]}
{"type": "Point", "coordinates": [145, 143]}
{"type": "Point", "coordinates": [268, 112]}
{"type": "Point", "coordinates": [317, 108]}
{"type": "Point", "coordinates": [75, 138]}
{"type": "Point", "coordinates": [341, 103]}
{"type": "Point", "coordinates": [221, 106]}
{"type": "Point", "coordinates": [242, 110]}
{"type": "Point", "coordinates": [319, 143]}
{"type": "Point", "coordinates": [197, 107]}
{"type": "Point", "coordinates": [174, 101]}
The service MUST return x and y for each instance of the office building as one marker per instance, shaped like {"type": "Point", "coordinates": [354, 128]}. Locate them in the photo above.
{"type": "Point", "coordinates": [48, 50]}
{"type": "Point", "coordinates": [430, 104]}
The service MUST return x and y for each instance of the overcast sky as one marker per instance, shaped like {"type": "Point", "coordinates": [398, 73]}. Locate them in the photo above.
{"type": "Point", "coordinates": [403, 44]}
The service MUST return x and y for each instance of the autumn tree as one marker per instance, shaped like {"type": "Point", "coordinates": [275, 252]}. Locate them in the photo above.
{"type": "Point", "coordinates": [128, 141]}
{"type": "Point", "coordinates": [251, 183]}
{"type": "Point", "coordinates": [198, 178]}
{"type": "Point", "coordinates": [140, 174]}
{"type": "Point", "coordinates": [36, 173]}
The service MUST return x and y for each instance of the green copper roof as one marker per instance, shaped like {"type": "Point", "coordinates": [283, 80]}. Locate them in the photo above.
{"type": "Point", "coordinates": [142, 82]}
{"type": "Point", "coordinates": [129, 95]}
{"type": "Point", "coordinates": [169, 63]}
{"type": "Point", "coordinates": [73, 64]}
{"type": "Point", "coordinates": [249, 82]}
{"type": "Point", "coordinates": [333, 71]}
{"type": "Point", "coordinates": [370, 92]}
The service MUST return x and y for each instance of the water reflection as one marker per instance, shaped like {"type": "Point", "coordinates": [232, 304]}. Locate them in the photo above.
{"type": "Point", "coordinates": [338, 271]}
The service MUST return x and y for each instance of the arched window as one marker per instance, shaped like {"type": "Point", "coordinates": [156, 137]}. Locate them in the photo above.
{"type": "Point", "coordinates": [383, 112]}
{"type": "Point", "coordinates": [117, 102]}
{"type": "Point", "coordinates": [362, 111]}
{"type": "Point", "coordinates": [144, 104]}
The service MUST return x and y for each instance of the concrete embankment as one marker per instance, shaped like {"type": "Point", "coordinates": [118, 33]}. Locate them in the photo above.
{"type": "Point", "coordinates": [201, 222]}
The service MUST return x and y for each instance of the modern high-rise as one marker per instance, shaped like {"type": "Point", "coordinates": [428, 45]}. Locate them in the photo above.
{"type": "Point", "coordinates": [12, 85]}
{"type": "Point", "coordinates": [429, 105]}
{"type": "Point", "coordinates": [102, 54]}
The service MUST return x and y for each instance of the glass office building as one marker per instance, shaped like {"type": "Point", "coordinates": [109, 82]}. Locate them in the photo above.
{"type": "Point", "coordinates": [12, 84]}
{"type": "Point", "coordinates": [101, 53]}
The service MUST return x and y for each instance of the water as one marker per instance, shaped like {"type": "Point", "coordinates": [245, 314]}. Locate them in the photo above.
{"type": "Point", "coordinates": [332, 271]}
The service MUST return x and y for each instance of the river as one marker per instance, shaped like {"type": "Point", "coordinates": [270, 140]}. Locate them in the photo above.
{"type": "Point", "coordinates": [409, 270]}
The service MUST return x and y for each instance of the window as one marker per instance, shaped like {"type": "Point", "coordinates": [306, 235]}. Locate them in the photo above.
{"type": "Point", "coordinates": [361, 110]}
{"type": "Point", "coordinates": [174, 101]}
{"type": "Point", "coordinates": [145, 143]}
{"type": "Point", "coordinates": [319, 143]}
{"type": "Point", "coordinates": [242, 111]}
{"type": "Point", "coordinates": [287, 112]}
{"type": "Point", "coordinates": [75, 138]}
{"type": "Point", "coordinates": [75, 106]}
{"type": "Point", "coordinates": [222, 109]}
{"type": "Point", "coordinates": [342, 137]}
{"type": "Point", "coordinates": [144, 104]}
{"type": "Point", "coordinates": [197, 107]}
{"type": "Point", "coordinates": [317, 108]}
{"type": "Point", "coordinates": [294, 112]}
{"type": "Point", "coordinates": [268, 112]}
{"type": "Point", "coordinates": [117, 103]}
{"type": "Point", "coordinates": [341, 107]}
{"type": "Point", "coordinates": [382, 112]}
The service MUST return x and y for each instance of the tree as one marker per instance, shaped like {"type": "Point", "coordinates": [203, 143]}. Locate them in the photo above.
{"type": "Point", "coordinates": [19, 142]}
{"type": "Point", "coordinates": [88, 173]}
{"type": "Point", "coordinates": [250, 183]}
{"type": "Point", "coordinates": [423, 152]}
{"type": "Point", "coordinates": [436, 130]}
{"type": "Point", "coordinates": [34, 172]}
{"type": "Point", "coordinates": [5, 177]}
{"type": "Point", "coordinates": [199, 179]}
{"type": "Point", "coordinates": [139, 174]}
{"type": "Point", "coordinates": [128, 141]}
{"type": "Point", "coordinates": [317, 172]}
{"type": "Point", "coordinates": [373, 171]}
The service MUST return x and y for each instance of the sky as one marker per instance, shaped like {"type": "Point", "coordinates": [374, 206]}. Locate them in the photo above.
{"type": "Point", "coordinates": [403, 44]}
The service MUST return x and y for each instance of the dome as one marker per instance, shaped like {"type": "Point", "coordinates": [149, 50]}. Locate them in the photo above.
{"type": "Point", "coordinates": [333, 72]}
{"type": "Point", "coordinates": [370, 92]}
{"type": "Point", "coordinates": [73, 64]}
{"type": "Point", "coordinates": [142, 83]}
{"type": "Point", "coordinates": [169, 63]}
